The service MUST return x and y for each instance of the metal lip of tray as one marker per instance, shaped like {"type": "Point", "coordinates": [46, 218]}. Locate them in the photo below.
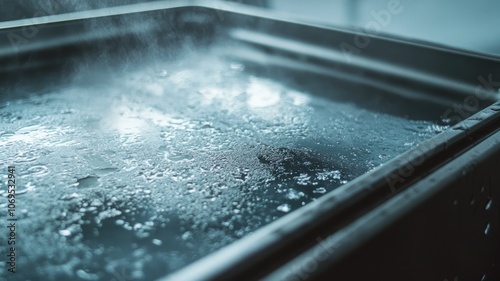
{"type": "Point", "coordinates": [358, 212]}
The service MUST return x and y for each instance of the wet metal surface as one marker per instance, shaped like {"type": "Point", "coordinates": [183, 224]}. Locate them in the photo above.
{"type": "Point", "coordinates": [137, 172]}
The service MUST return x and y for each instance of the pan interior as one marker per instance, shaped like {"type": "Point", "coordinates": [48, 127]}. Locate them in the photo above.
{"type": "Point", "coordinates": [137, 171]}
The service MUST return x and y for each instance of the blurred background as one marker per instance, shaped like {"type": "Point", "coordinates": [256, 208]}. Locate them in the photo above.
{"type": "Point", "coordinates": [464, 24]}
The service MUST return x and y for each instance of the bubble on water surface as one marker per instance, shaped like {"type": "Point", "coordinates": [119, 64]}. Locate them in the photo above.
{"type": "Point", "coordinates": [285, 208]}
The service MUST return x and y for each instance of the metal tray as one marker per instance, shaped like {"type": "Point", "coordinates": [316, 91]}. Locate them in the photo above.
{"type": "Point", "coordinates": [431, 211]}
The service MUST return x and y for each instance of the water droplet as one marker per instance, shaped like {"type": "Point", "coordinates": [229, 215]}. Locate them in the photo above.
{"type": "Point", "coordinates": [294, 194]}
{"type": "Point", "coordinates": [488, 205]}
{"type": "Point", "coordinates": [328, 175]}
{"type": "Point", "coordinates": [285, 208]}
{"type": "Point", "coordinates": [85, 275]}
{"type": "Point", "coordinates": [487, 229]}
{"type": "Point", "coordinates": [446, 120]}
{"type": "Point", "coordinates": [303, 179]}
{"type": "Point", "coordinates": [96, 203]}
{"type": "Point", "coordinates": [320, 190]}
{"type": "Point", "coordinates": [67, 197]}
{"type": "Point", "coordinates": [187, 235]}
{"type": "Point", "coordinates": [436, 129]}
{"type": "Point", "coordinates": [65, 232]}
{"type": "Point", "coordinates": [111, 213]}
{"type": "Point", "coordinates": [157, 242]}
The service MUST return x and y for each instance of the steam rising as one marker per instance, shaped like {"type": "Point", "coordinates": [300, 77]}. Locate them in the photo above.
{"type": "Point", "coordinates": [162, 148]}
